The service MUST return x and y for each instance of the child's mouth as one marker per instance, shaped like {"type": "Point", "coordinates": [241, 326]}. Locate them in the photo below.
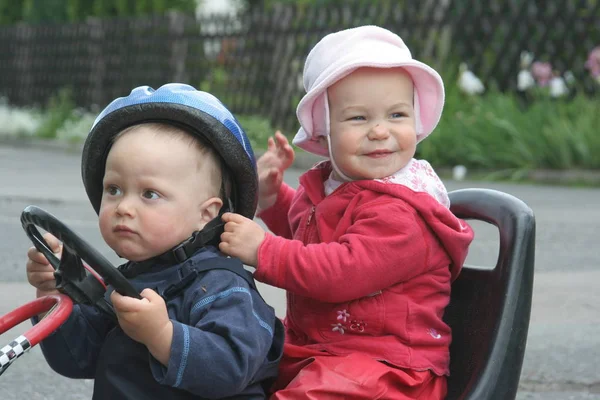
{"type": "Point", "coordinates": [379, 153]}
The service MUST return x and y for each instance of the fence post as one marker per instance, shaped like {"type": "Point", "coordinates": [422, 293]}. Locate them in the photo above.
{"type": "Point", "coordinates": [24, 87]}
{"type": "Point", "coordinates": [179, 46]}
{"type": "Point", "coordinates": [441, 30]}
{"type": "Point", "coordinates": [283, 77]}
{"type": "Point", "coordinates": [97, 62]}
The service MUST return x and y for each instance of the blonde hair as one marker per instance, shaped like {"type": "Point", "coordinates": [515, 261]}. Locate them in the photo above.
{"type": "Point", "coordinates": [207, 155]}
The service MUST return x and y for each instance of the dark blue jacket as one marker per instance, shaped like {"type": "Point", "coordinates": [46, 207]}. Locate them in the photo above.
{"type": "Point", "coordinates": [227, 342]}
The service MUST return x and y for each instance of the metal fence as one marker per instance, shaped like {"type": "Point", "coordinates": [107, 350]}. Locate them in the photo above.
{"type": "Point", "coordinates": [254, 61]}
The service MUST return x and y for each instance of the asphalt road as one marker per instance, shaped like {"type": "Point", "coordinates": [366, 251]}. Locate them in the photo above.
{"type": "Point", "coordinates": [563, 349]}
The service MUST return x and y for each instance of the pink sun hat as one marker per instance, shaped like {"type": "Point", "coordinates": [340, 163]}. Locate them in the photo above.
{"type": "Point", "coordinates": [339, 54]}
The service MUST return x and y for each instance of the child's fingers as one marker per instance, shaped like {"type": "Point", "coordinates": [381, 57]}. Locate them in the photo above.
{"type": "Point", "coordinates": [46, 285]}
{"type": "Point", "coordinates": [40, 272]}
{"type": "Point", "coordinates": [53, 242]}
{"type": "Point", "coordinates": [226, 237]}
{"type": "Point", "coordinates": [230, 226]}
{"type": "Point", "coordinates": [224, 246]}
{"type": "Point", "coordinates": [42, 280]}
{"type": "Point", "coordinates": [280, 137]}
{"type": "Point", "coordinates": [271, 144]}
{"type": "Point", "coordinates": [227, 218]}
{"type": "Point", "coordinates": [282, 145]}
{"type": "Point", "coordinates": [150, 295]}
{"type": "Point", "coordinates": [115, 297]}
{"type": "Point", "coordinates": [289, 153]}
{"type": "Point", "coordinates": [36, 257]}
{"type": "Point", "coordinates": [125, 303]}
{"type": "Point", "coordinates": [285, 150]}
{"type": "Point", "coordinates": [228, 248]}
{"type": "Point", "coordinates": [232, 217]}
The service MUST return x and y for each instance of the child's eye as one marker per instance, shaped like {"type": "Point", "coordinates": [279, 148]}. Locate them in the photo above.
{"type": "Point", "coordinates": [357, 118]}
{"type": "Point", "coordinates": [112, 190]}
{"type": "Point", "coordinates": [398, 115]}
{"type": "Point", "coordinates": [150, 194]}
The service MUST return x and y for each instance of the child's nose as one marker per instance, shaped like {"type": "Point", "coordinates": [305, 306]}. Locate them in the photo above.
{"type": "Point", "coordinates": [379, 131]}
{"type": "Point", "coordinates": [125, 207]}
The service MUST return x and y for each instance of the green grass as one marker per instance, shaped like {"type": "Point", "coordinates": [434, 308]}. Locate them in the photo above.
{"type": "Point", "coordinates": [496, 132]}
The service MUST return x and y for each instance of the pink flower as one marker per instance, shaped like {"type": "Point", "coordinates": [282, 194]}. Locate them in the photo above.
{"type": "Point", "coordinates": [542, 72]}
{"type": "Point", "coordinates": [430, 171]}
{"type": "Point", "coordinates": [388, 179]}
{"type": "Point", "coordinates": [419, 185]}
{"type": "Point", "coordinates": [343, 315]}
{"type": "Point", "coordinates": [593, 62]}
{"type": "Point", "coordinates": [358, 326]}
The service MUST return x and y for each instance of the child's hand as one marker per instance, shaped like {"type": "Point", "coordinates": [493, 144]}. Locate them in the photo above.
{"type": "Point", "coordinates": [271, 166]}
{"type": "Point", "coordinates": [40, 273]}
{"type": "Point", "coordinates": [241, 238]}
{"type": "Point", "coordinates": [146, 321]}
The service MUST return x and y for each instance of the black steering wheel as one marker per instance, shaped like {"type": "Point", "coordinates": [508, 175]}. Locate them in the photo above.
{"type": "Point", "coordinates": [72, 276]}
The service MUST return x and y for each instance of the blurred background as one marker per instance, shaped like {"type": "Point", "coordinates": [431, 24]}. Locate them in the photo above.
{"type": "Point", "coordinates": [522, 116]}
{"type": "Point", "coordinates": [522, 77]}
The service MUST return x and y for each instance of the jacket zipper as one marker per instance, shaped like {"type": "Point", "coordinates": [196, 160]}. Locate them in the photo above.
{"type": "Point", "coordinates": [307, 234]}
{"type": "Point", "coordinates": [312, 211]}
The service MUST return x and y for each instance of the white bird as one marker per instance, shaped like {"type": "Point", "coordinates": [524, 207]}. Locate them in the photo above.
{"type": "Point", "coordinates": [468, 82]}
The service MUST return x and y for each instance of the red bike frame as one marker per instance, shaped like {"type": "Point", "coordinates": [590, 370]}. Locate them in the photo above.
{"type": "Point", "coordinates": [58, 306]}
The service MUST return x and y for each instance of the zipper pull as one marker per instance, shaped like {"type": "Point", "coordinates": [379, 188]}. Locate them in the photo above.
{"type": "Point", "coordinates": [312, 211]}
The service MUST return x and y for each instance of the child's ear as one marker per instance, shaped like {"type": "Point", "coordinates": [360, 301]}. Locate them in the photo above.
{"type": "Point", "coordinates": [209, 210]}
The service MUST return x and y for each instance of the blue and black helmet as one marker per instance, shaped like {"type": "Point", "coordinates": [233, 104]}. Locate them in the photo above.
{"type": "Point", "coordinates": [197, 112]}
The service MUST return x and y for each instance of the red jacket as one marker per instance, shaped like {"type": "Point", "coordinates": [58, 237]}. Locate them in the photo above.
{"type": "Point", "coordinates": [366, 269]}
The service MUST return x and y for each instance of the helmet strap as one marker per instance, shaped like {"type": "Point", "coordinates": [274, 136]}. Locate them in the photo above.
{"type": "Point", "coordinates": [210, 235]}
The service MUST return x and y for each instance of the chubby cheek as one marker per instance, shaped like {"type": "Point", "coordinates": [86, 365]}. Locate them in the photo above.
{"type": "Point", "coordinates": [163, 232]}
{"type": "Point", "coordinates": [105, 224]}
{"type": "Point", "coordinates": [342, 151]}
{"type": "Point", "coordinates": [409, 143]}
